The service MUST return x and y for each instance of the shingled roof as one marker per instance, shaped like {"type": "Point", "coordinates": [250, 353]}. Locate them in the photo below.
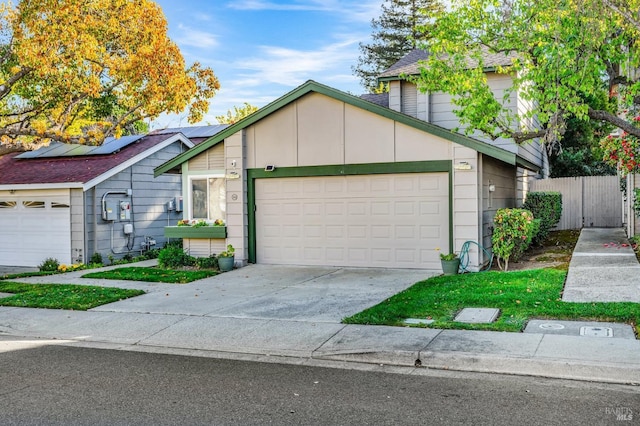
{"type": "Point", "coordinates": [74, 171]}
{"type": "Point", "coordinates": [410, 63]}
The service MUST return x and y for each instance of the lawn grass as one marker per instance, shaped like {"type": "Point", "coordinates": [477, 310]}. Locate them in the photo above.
{"type": "Point", "coordinates": [61, 296]}
{"type": "Point", "coordinates": [156, 275]}
{"type": "Point", "coordinates": [520, 296]}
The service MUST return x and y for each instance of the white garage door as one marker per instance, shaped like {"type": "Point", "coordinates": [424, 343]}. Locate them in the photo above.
{"type": "Point", "coordinates": [34, 227]}
{"type": "Point", "coordinates": [395, 220]}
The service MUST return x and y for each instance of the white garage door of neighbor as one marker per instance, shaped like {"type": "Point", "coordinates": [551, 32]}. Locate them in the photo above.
{"type": "Point", "coordinates": [388, 220]}
{"type": "Point", "coordinates": [35, 227]}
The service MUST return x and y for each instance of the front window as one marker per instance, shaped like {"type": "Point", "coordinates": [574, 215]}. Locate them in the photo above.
{"type": "Point", "coordinates": [208, 199]}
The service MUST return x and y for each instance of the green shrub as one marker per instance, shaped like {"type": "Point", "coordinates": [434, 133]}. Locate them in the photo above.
{"type": "Point", "coordinates": [210, 262]}
{"type": "Point", "coordinates": [174, 257]}
{"type": "Point", "coordinates": [151, 254]}
{"type": "Point", "coordinates": [96, 259]}
{"type": "Point", "coordinates": [513, 230]}
{"type": "Point", "coordinates": [49, 265]}
{"type": "Point", "coordinates": [546, 206]}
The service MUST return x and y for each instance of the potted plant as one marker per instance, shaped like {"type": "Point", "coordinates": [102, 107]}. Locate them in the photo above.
{"type": "Point", "coordinates": [226, 259]}
{"type": "Point", "coordinates": [450, 263]}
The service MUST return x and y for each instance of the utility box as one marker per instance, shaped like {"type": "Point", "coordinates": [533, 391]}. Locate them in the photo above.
{"type": "Point", "coordinates": [178, 204]}
{"type": "Point", "coordinates": [125, 210]}
{"type": "Point", "coordinates": [110, 211]}
{"type": "Point", "coordinates": [128, 229]}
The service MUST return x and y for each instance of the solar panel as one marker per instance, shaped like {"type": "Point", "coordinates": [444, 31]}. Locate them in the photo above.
{"type": "Point", "coordinates": [59, 149]}
{"type": "Point", "coordinates": [194, 131]}
{"type": "Point", "coordinates": [112, 144]}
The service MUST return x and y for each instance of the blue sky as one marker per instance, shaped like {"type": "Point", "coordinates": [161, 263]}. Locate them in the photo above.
{"type": "Point", "coordinates": [262, 49]}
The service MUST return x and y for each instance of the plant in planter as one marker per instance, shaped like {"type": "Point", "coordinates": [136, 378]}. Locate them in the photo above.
{"type": "Point", "coordinates": [226, 259]}
{"type": "Point", "coordinates": [450, 263]}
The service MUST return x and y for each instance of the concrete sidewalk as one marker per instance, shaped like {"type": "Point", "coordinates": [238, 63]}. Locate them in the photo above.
{"type": "Point", "coordinates": [292, 315]}
{"type": "Point", "coordinates": [603, 268]}
{"type": "Point", "coordinates": [613, 360]}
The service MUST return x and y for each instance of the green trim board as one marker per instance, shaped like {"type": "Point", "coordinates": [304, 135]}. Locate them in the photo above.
{"type": "Point", "coordinates": [439, 166]}
{"type": "Point", "coordinates": [205, 232]}
{"type": "Point", "coordinates": [314, 87]}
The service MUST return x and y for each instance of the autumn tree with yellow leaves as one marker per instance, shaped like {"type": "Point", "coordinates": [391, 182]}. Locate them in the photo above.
{"type": "Point", "coordinates": [78, 71]}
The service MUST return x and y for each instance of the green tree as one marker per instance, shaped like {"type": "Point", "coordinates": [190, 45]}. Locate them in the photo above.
{"type": "Point", "coordinates": [560, 53]}
{"type": "Point", "coordinates": [82, 70]}
{"type": "Point", "coordinates": [237, 114]}
{"type": "Point", "coordinates": [579, 152]}
{"type": "Point", "coordinates": [401, 27]}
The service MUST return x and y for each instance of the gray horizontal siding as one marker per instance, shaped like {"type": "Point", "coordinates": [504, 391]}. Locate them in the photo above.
{"type": "Point", "coordinates": [149, 198]}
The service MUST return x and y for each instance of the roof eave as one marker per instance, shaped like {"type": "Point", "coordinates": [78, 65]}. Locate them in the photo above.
{"type": "Point", "coordinates": [312, 86]}
{"type": "Point", "coordinates": [37, 186]}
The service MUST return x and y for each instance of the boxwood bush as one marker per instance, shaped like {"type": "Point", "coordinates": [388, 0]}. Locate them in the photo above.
{"type": "Point", "coordinates": [546, 206]}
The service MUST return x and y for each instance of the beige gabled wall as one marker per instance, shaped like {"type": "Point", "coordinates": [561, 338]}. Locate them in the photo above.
{"type": "Point", "coordinates": [321, 130]}
{"type": "Point", "coordinates": [326, 131]}
{"type": "Point", "coordinates": [368, 138]}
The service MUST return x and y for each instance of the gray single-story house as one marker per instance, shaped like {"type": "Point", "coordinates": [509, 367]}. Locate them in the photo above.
{"type": "Point", "coordinates": [321, 177]}
{"type": "Point", "coordinates": [67, 201]}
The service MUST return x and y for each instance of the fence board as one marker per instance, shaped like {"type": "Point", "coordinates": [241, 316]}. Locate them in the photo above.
{"type": "Point", "coordinates": [589, 201]}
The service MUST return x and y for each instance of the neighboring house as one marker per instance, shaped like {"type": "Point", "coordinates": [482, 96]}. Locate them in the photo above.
{"type": "Point", "coordinates": [69, 201]}
{"type": "Point", "coordinates": [321, 177]}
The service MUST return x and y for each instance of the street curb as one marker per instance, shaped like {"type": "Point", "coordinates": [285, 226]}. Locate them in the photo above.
{"type": "Point", "coordinates": [553, 368]}
{"type": "Point", "coordinates": [556, 368]}
{"type": "Point", "coordinates": [542, 367]}
{"type": "Point", "coordinates": [481, 363]}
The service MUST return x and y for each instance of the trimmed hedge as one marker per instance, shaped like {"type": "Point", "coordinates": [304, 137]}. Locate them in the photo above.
{"type": "Point", "coordinates": [546, 206]}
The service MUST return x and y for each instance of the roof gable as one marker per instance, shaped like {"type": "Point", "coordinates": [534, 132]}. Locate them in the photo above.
{"type": "Point", "coordinates": [80, 171]}
{"type": "Point", "coordinates": [312, 86]}
{"type": "Point", "coordinates": [411, 62]}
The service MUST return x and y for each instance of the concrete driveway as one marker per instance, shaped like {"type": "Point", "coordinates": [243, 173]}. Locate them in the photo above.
{"type": "Point", "coordinates": [293, 293]}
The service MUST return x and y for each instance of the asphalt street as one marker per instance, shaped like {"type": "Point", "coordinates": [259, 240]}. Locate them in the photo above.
{"type": "Point", "coordinates": [46, 383]}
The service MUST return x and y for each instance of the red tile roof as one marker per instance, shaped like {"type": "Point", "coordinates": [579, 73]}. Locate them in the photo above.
{"type": "Point", "coordinates": [82, 169]}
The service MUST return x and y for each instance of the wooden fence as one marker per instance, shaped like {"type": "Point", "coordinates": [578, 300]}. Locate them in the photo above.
{"type": "Point", "coordinates": [587, 201]}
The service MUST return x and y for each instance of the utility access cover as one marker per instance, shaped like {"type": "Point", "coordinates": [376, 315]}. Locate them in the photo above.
{"type": "Point", "coordinates": [418, 321]}
{"type": "Point", "coordinates": [596, 331]}
{"type": "Point", "coordinates": [477, 315]}
{"type": "Point", "coordinates": [581, 328]}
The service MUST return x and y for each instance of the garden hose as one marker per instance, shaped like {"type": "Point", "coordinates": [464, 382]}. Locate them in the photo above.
{"type": "Point", "coordinates": [464, 257]}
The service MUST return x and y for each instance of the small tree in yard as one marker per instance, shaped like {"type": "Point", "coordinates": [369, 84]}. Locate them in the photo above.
{"type": "Point", "coordinates": [513, 230]}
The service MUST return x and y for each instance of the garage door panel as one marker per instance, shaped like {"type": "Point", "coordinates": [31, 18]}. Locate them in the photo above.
{"type": "Point", "coordinates": [37, 227]}
{"type": "Point", "coordinates": [380, 220]}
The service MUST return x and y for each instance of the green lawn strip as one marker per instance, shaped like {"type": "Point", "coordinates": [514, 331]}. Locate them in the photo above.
{"type": "Point", "coordinates": [62, 296]}
{"type": "Point", "coordinates": [156, 275]}
{"type": "Point", "coordinates": [520, 296]}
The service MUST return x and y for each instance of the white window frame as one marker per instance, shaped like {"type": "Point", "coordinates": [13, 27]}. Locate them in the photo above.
{"type": "Point", "coordinates": [190, 197]}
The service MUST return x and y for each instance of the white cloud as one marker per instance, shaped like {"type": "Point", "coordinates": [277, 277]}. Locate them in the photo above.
{"type": "Point", "coordinates": [346, 10]}
{"type": "Point", "coordinates": [195, 38]}
{"type": "Point", "coordinates": [291, 67]}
